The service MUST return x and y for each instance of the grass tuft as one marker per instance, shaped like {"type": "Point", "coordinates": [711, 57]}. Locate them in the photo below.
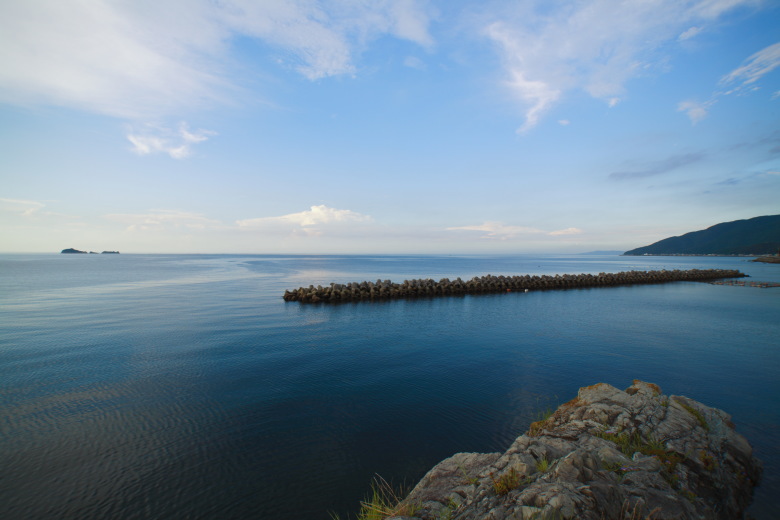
{"type": "Point", "coordinates": [637, 513]}
{"type": "Point", "coordinates": [471, 480]}
{"type": "Point", "coordinates": [631, 443]}
{"type": "Point", "coordinates": [506, 482]}
{"type": "Point", "coordinates": [542, 465]}
{"type": "Point", "coordinates": [383, 502]}
{"type": "Point", "coordinates": [696, 413]}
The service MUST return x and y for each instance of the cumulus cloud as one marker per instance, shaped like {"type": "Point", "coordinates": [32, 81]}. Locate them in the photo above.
{"type": "Point", "coordinates": [659, 167]}
{"type": "Point", "coordinates": [163, 219]}
{"type": "Point", "coordinates": [310, 222]}
{"type": "Point", "coordinates": [144, 59]}
{"type": "Point", "coordinates": [176, 143]}
{"type": "Point", "coordinates": [25, 208]}
{"type": "Point", "coordinates": [595, 46]}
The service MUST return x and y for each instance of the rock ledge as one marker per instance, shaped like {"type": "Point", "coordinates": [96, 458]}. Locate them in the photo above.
{"type": "Point", "coordinates": [606, 454]}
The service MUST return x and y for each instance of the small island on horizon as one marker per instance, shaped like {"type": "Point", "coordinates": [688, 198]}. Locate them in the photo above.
{"type": "Point", "coordinates": [73, 251]}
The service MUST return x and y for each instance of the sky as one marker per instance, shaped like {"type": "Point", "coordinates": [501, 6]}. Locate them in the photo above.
{"type": "Point", "coordinates": [383, 126]}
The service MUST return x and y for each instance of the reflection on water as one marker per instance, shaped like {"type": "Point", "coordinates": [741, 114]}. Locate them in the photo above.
{"type": "Point", "coordinates": [184, 387]}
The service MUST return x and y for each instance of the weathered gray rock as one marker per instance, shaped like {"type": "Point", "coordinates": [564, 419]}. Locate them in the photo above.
{"type": "Point", "coordinates": [607, 454]}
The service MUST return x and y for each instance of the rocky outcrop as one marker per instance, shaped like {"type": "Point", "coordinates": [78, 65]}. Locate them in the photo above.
{"type": "Point", "coordinates": [386, 289]}
{"type": "Point", "coordinates": [607, 454]}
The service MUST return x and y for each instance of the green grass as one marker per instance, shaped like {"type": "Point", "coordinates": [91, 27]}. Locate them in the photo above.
{"type": "Point", "coordinates": [541, 417]}
{"type": "Point", "coordinates": [383, 502]}
{"type": "Point", "coordinates": [545, 414]}
{"type": "Point", "coordinates": [631, 443]}
{"type": "Point", "coordinates": [446, 512]}
{"type": "Point", "coordinates": [506, 482]}
{"type": "Point", "coordinates": [471, 480]}
{"type": "Point", "coordinates": [542, 465]}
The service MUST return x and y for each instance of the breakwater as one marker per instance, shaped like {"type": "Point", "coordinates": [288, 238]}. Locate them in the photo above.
{"type": "Point", "coordinates": [383, 290]}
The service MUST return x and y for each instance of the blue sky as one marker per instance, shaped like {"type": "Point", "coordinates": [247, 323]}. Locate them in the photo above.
{"type": "Point", "coordinates": [238, 126]}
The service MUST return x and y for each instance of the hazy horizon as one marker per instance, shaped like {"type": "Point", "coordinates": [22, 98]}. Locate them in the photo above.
{"type": "Point", "coordinates": [388, 127]}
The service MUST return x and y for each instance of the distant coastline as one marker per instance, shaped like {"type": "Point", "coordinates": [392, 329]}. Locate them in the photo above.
{"type": "Point", "coordinates": [752, 237]}
{"type": "Point", "coordinates": [694, 254]}
{"type": "Point", "coordinates": [768, 259]}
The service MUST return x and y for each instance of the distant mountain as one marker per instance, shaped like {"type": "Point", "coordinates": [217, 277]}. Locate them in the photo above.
{"type": "Point", "coordinates": [755, 236]}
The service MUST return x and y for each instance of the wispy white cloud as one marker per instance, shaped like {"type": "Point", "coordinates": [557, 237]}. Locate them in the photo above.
{"type": "Point", "coordinates": [658, 167]}
{"type": "Point", "coordinates": [595, 45]}
{"type": "Point", "coordinates": [146, 59]}
{"type": "Point", "coordinates": [501, 231]}
{"type": "Point", "coordinates": [689, 33]}
{"type": "Point", "coordinates": [127, 59]}
{"type": "Point", "coordinates": [696, 111]}
{"type": "Point", "coordinates": [754, 68]}
{"type": "Point", "coordinates": [567, 231]}
{"type": "Point", "coordinates": [741, 80]}
{"type": "Point", "coordinates": [163, 219]}
{"type": "Point", "coordinates": [311, 222]}
{"type": "Point", "coordinates": [321, 39]}
{"type": "Point", "coordinates": [176, 143]}
{"type": "Point", "coordinates": [24, 208]}
{"type": "Point", "coordinates": [414, 62]}
{"type": "Point", "coordinates": [498, 230]}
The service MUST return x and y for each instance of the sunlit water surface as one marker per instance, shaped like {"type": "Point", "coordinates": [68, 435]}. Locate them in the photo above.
{"type": "Point", "coordinates": [144, 386]}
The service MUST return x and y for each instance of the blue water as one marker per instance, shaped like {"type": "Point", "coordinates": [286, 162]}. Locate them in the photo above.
{"type": "Point", "coordinates": [183, 386]}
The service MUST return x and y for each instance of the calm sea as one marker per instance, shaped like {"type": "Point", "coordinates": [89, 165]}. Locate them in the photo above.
{"type": "Point", "coordinates": [183, 386]}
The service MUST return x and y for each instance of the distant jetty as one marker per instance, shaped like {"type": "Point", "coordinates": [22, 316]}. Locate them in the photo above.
{"type": "Point", "coordinates": [384, 290]}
